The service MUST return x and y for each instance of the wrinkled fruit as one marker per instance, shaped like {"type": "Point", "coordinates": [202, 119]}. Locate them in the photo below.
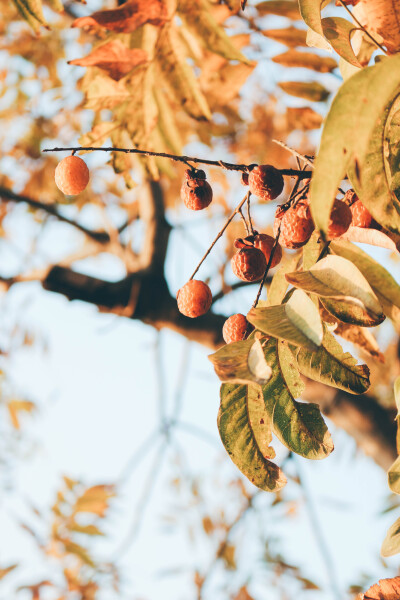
{"type": "Point", "coordinates": [71, 175]}
{"type": "Point", "coordinates": [235, 328]}
{"type": "Point", "coordinates": [361, 217]}
{"type": "Point", "coordinates": [296, 225]}
{"type": "Point", "coordinates": [339, 220]}
{"type": "Point", "coordinates": [194, 298]}
{"type": "Point", "coordinates": [265, 243]}
{"type": "Point", "coordinates": [266, 182]}
{"type": "Point", "coordinates": [249, 264]}
{"type": "Point", "coordinates": [196, 192]}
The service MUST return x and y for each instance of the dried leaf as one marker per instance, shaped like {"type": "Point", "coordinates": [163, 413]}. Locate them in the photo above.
{"type": "Point", "coordinates": [290, 36]}
{"type": "Point", "coordinates": [128, 17]}
{"type": "Point", "coordinates": [114, 58]}
{"type": "Point", "coordinates": [386, 589]}
{"type": "Point", "coordinates": [304, 118]}
{"type": "Point", "coordinates": [313, 91]}
{"type": "Point", "coordinates": [306, 60]}
{"type": "Point", "coordinates": [282, 8]}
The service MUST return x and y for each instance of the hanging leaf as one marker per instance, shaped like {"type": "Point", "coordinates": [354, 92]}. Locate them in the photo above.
{"type": "Point", "coordinates": [373, 237]}
{"type": "Point", "coordinates": [238, 402]}
{"type": "Point", "coordinates": [199, 19]}
{"type": "Point", "coordinates": [313, 91]}
{"type": "Point", "coordinates": [359, 112]}
{"type": "Point", "coordinates": [114, 58]}
{"type": "Point", "coordinates": [331, 366]}
{"type": "Point", "coordinates": [241, 362]}
{"type": "Point", "coordinates": [181, 79]}
{"type": "Point", "coordinates": [296, 321]}
{"type": "Point", "coordinates": [306, 60]}
{"type": "Point", "coordinates": [102, 92]}
{"type": "Point", "coordinates": [386, 589]}
{"type": "Point", "coordinates": [303, 118]}
{"type": "Point", "coordinates": [32, 12]}
{"type": "Point", "coordinates": [290, 36]}
{"type": "Point", "coordinates": [282, 8]}
{"type": "Point", "coordinates": [360, 337]}
{"type": "Point", "coordinates": [385, 287]}
{"type": "Point", "coordinates": [335, 278]}
{"type": "Point", "coordinates": [338, 32]}
{"type": "Point", "coordinates": [128, 17]}
{"type": "Point", "coordinates": [298, 425]}
{"type": "Point", "coordinates": [310, 11]}
{"type": "Point", "coordinates": [279, 284]}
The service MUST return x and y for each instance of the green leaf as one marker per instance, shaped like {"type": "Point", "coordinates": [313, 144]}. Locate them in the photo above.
{"type": "Point", "coordinates": [311, 251]}
{"type": "Point", "coordinates": [352, 142]}
{"type": "Point", "coordinates": [310, 11]}
{"type": "Point", "coordinates": [385, 287]}
{"type": "Point", "coordinates": [338, 32]}
{"type": "Point", "coordinates": [282, 8]}
{"type": "Point", "coordinates": [199, 19]}
{"type": "Point", "coordinates": [240, 405]}
{"type": "Point", "coordinates": [241, 362]}
{"type": "Point", "coordinates": [335, 278]}
{"type": "Point", "coordinates": [298, 425]}
{"type": "Point", "coordinates": [279, 284]}
{"type": "Point", "coordinates": [391, 543]}
{"type": "Point", "coordinates": [331, 366]}
{"type": "Point", "coordinates": [32, 11]}
{"type": "Point", "coordinates": [397, 395]}
{"type": "Point", "coordinates": [296, 321]}
{"type": "Point", "coordinates": [394, 476]}
{"type": "Point", "coordinates": [312, 90]}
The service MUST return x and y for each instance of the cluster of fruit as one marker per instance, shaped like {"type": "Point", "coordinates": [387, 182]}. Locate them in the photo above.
{"type": "Point", "coordinates": [293, 227]}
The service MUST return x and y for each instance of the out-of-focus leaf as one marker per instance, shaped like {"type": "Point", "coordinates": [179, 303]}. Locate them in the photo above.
{"type": "Point", "coordinates": [181, 78]}
{"type": "Point", "coordinates": [86, 529]}
{"type": "Point", "coordinates": [298, 425]}
{"type": "Point", "coordinates": [103, 92]}
{"type": "Point", "coordinates": [303, 118]}
{"type": "Point", "coordinates": [80, 551]}
{"type": "Point", "coordinates": [32, 11]}
{"type": "Point", "coordinates": [114, 58]}
{"type": "Point", "coordinates": [128, 17]}
{"type": "Point", "coordinates": [198, 17]}
{"type": "Point", "coordinates": [15, 407]}
{"type": "Point", "coordinates": [359, 111]}
{"type": "Point", "coordinates": [306, 60]}
{"type": "Point", "coordinates": [241, 362]}
{"type": "Point", "coordinates": [331, 366]}
{"type": "Point", "coordinates": [239, 439]}
{"type": "Point", "coordinates": [310, 90]}
{"type": "Point", "coordinates": [99, 134]}
{"type": "Point", "coordinates": [6, 570]}
{"type": "Point", "coordinates": [296, 321]}
{"type": "Point", "coordinates": [282, 8]}
{"type": "Point", "coordinates": [95, 500]}
{"type": "Point", "coordinates": [290, 36]}
{"type": "Point", "coordinates": [336, 278]}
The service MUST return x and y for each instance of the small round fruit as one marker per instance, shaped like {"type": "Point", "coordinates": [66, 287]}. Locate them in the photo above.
{"type": "Point", "coordinates": [249, 264]}
{"type": "Point", "coordinates": [361, 217]}
{"type": "Point", "coordinates": [296, 225]}
{"type": "Point", "coordinates": [72, 175]}
{"type": "Point", "coordinates": [196, 192]}
{"type": "Point", "coordinates": [339, 220]}
{"type": "Point", "coordinates": [266, 182]}
{"type": "Point", "coordinates": [265, 243]}
{"type": "Point", "coordinates": [194, 298]}
{"type": "Point", "coordinates": [235, 328]}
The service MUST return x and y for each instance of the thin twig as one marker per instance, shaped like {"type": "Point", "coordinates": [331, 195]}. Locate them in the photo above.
{"type": "Point", "coordinates": [245, 223]}
{"type": "Point", "coordinates": [363, 28]}
{"type": "Point", "coordinates": [174, 157]}
{"type": "Point", "coordinates": [271, 257]}
{"type": "Point", "coordinates": [295, 153]}
{"type": "Point", "coordinates": [220, 234]}
{"type": "Point", "coordinates": [249, 215]}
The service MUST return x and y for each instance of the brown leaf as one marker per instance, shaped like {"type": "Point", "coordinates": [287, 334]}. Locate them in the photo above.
{"type": "Point", "coordinates": [310, 90]}
{"type": "Point", "coordinates": [113, 57]}
{"type": "Point", "coordinates": [304, 118]}
{"type": "Point", "coordinates": [128, 17]}
{"type": "Point", "coordinates": [306, 60]}
{"type": "Point", "coordinates": [283, 8]}
{"type": "Point", "coordinates": [383, 18]}
{"type": "Point", "coordinates": [290, 36]}
{"type": "Point", "coordinates": [385, 589]}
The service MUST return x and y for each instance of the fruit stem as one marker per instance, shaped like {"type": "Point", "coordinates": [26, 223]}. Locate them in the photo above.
{"type": "Point", "coordinates": [183, 159]}
{"type": "Point", "coordinates": [271, 258]}
{"type": "Point", "coordinates": [221, 232]}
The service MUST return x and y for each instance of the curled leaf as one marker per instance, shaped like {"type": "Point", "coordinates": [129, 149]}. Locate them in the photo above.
{"type": "Point", "coordinates": [128, 17]}
{"type": "Point", "coordinates": [114, 58]}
